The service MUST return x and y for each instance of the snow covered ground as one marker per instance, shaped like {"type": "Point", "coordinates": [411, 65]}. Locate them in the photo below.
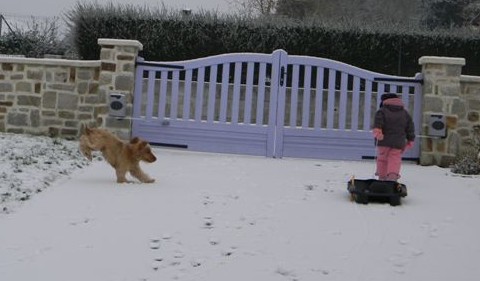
{"type": "Point", "coordinates": [226, 217]}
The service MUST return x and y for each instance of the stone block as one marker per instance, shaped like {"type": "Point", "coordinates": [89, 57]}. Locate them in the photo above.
{"type": "Point", "coordinates": [129, 67]}
{"type": "Point", "coordinates": [427, 159]}
{"type": "Point", "coordinates": [68, 132]}
{"type": "Point", "coordinates": [6, 103]}
{"type": "Point", "coordinates": [124, 82]}
{"type": "Point", "coordinates": [449, 90]}
{"type": "Point", "coordinates": [60, 77]}
{"type": "Point", "coordinates": [7, 66]}
{"type": "Point", "coordinates": [459, 107]}
{"type": "Point", "coordinates": [93, 88]}
{"type": "Point", "coordinates": [35, 118]}
{"type": "Point", "coordinates": [28, 100]}
{"type": "Point", "coordinates": [453, 70]}
{"type": "Point", "coordinates": [48, 122]}
{"type": "Point", "coordinates": [53, 132]}
{"type": "Point", "coordinates": [125, 57]}
{"type": "Point", "coordinates": [106, 78]}
{"type": "Point", "coordinates": [473, 116]}
{"type": "Point", "coordinates": [82, 87]}
{"type": "Point", "coordinates": [451, 122]}
{"type": "Point", "coordinates": [18, 76]}
{"type": "Point", "coordinates": [446, 161]}
{"type": "Point", "coordinates": [49, 100]}
{"type": "Point", "coordinates": [433, 104]}
{"type": "Point", "coordinates": [91, 99]}
{"type": "Point", "coordinates": [85, 108]}
{"type": "Point", "coordinates": [62, 87]}
{"type": "Point", "coordinates": [84, 75]}
{"type": "Point", "coordinates": [71, 124]}
{"type": "Point", "coordinates": [463, 132]}
{"type": "Point", "coordinates": [67, 101]}
{"type": "Point", "coordinates": [38, 88]}
{"type": "Point", "coordinates": [84, 116]}
{"type": "Point", "coordinates": [23, 86]}
{"type": "Point", "coordinates": [66, 114]}
{"type": "Point", "coordinates": [117, 123]}
{"type": "Point", "coordinates": [35, 74]}
{"type": "Point", "coordinates": [72, 75]}
{"type": "Point", "coordinates": [6, 87]}
{"type": "Point", "coordinates": [15, 130]}
{"type": "Point", "coordinates": [440, 146]}
{"type": "Point", "coordinates": [474, 104]}
{"type": "Point", "coordinates": [48, 113]}
{"type": "Point", "coordinates": [111, 67]}
{"type": "Point", "coordinates": [106, 53]}
{"type": "Point", "coordinates": [19, 119]}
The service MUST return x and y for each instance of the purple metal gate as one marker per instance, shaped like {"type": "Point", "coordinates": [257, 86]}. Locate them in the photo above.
{"type": "Point", "coordinates": [273, 105]}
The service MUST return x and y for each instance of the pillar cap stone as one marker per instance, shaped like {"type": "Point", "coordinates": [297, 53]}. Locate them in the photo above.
{"type": "Point", "coordinates": [120, 42]}
{"type": "Point", "coordinates": [441, 60]}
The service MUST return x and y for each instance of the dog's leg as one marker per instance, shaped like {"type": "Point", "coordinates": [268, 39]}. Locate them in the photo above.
{"type": "Point", "coordinates": [121, 175]}
{"type": "Point", "coordinates": [85, 148]}
{"type": "Point", "coordinates": [137, 172]}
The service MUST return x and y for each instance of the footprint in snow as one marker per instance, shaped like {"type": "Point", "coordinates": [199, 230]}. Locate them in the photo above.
{"type": "Point", "coordinates": [290, 274]}
{"type": "Point", "coordinates": [157, 263]}
{"type": "Point", "coordinates": [207, 222]}
{"type": "Point", "coordinates": [154, 244]}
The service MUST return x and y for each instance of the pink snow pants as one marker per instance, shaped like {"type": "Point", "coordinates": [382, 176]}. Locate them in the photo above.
{"type": "Point", "coordinates": [389, 161]}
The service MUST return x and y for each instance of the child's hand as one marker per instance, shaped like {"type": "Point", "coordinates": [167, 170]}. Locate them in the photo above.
{"type": "Point", "coordinates": [409, 145]}
{"type": "Point", "coordinates": [378, 134]}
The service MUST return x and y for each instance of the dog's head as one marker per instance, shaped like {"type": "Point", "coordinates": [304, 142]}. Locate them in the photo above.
{"type": "Point", "coordinates": [142, 151]}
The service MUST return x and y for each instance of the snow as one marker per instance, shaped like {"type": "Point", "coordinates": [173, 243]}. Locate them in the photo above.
{"type": "Point", "coordinates": [226, 217]}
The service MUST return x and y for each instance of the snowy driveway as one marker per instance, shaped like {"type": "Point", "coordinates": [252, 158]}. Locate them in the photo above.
{"type": "Point", "coordinates": [229, 217]}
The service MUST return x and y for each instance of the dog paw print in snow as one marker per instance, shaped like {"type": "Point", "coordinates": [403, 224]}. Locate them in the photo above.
{"type": "Point", "coordinates": [228, 252]}
{"type": "Point", "coordinates": [310, 187]}
{"type": "Point", "coordinates": [214, 241]}
{"type": "Point", "coordinates": [207, 201]}
{"type": "Point", "coordinates": [196, 262]}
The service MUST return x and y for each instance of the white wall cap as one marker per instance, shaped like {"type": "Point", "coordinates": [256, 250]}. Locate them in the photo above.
{"type": "Point", "coordinates": [51, 62]}
{"type": "Point", "coordinates": [470, 78]}
{"type": "Point", "coordinates": [120, 42]}
{"type": "Point", "coordinates": [441, 60]}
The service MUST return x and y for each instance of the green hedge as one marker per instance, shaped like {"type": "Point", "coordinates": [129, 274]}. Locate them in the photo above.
{"type": "Point", "coordinates": [170, 36]}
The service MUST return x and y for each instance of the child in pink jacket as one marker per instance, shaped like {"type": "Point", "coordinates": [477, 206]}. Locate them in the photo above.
{"type": "Point", "coordinates": [394, 133]}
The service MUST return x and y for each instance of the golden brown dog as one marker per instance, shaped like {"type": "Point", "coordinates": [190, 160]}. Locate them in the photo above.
{"type": "Point", "coordinates": [124, 157]}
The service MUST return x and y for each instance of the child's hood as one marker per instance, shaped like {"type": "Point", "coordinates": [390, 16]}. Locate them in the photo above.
{"type": "Point", "coordinates": [394, 103]}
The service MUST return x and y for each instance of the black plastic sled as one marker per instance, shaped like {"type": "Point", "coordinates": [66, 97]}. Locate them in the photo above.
{"type": "Point", "coordinates": [372, 190]}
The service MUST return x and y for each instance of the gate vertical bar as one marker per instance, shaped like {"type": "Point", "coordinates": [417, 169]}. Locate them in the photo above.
{"type": "Point", "coordinates": [277, 104]}
{"type": "Point", "coordinates": [138, 91]}
{"type": "Point", "coordinates": [261, 94]}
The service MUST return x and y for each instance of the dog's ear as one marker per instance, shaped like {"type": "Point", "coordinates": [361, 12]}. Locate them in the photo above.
{"type": "Point", "coordinates": [88, 130]}
{"type": "Point", "coordinates": [134, 140]}
{"type": "Point", "coordinates": [142, 144]}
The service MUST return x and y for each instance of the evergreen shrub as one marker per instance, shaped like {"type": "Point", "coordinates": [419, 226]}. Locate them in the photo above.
{"type": "Point", "coordinates": [172, 36]}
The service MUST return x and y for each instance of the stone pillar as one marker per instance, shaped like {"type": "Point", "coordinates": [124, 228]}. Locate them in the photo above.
{"type": "Point", "coordinates": [441, 95]}
{"type": "Point", "coordinates": [117, 75]}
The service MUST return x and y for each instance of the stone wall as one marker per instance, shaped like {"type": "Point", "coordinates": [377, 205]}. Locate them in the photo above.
{"type": "Point", "coordinates": [446, 91]}
{"type": "Point", "coordinates": [57, 97]}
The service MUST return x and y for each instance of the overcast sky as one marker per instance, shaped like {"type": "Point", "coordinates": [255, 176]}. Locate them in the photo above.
{"type": "Point", "coordinates": [57, 7]}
